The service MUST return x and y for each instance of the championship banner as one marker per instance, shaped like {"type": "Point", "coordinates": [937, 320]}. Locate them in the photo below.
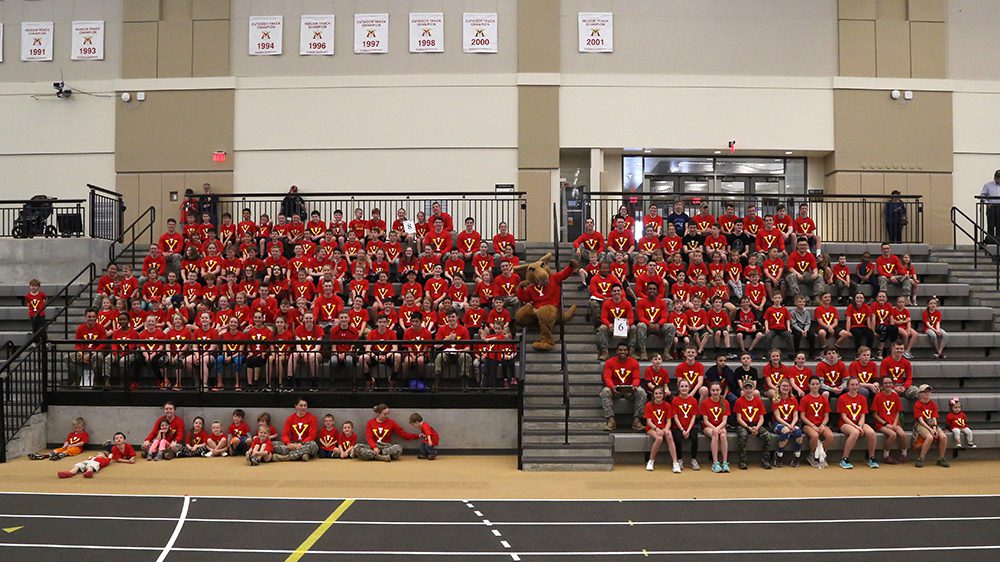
{"type": "Point", "coordinates": [316, 35]}
{"type": "Point", "coordinates": [36, 41]}
{"type": "Point", "coordinates": [371, 33]}
{"type": "Point", "coordinates": [479, 33]}
{"type": "Point", "coordinates": [1, 42]}
{"type": "Point", "coordinates": [427, 33]}
{"type": "Point", "coordinates": [88, 40]}
{"type": "Point", "coordinates": [265, 35]}
{"type": "Point", "coordinates": [597, 32]}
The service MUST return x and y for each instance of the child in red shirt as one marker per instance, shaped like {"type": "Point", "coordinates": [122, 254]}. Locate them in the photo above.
{"type": "Point", "coordinates": [73, 445]}
{"type": "Point", "coordinates": [88, 467]}
{"type": "Point", "coordinates": [261, 448]}
{"type": "Point", "coordinates": [348, 439]}
{"type": "Point", "coordinates": [35, 301]}
{"type": "Point", "coordinates": [429, 438]}
{"type": "Point", "coordinates": [328, 439]}
{"type": "Point", "coordinates": [958, 423]}
{"type": "Point", "coordinates": [239, 433]}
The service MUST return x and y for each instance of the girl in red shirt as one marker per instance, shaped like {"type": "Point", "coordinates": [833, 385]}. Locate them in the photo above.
{"type": "Point", "coordinates": [714, 414]}
{"type": "Point", "coordinates": [685, 420]}
{"type": "Point", "coordinates": [261, 449]}
{"type": "Point", "coordinates": [853, 407]}
{"type": "Point", "coordinates": [860, 324]}
{"type": "Point", "coordinates": [815, 409]}
{"type": "Point", "coordinates": [785, 411]}
{"type": "Point", "coordinates": [932, 327]}
{"type": "Point", "coordinates": [958, 424]}
{"type": "Point", "coordinates": [378, 432]}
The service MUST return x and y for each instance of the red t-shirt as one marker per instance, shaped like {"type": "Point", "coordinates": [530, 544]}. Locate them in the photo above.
{"type": "Point", "coordinates": [832, 375]}
{"type": "Point", "coordinates": [858, 316]}
{"type": "Point", "coordinates": [852, 408]}
{"type": "Point", "coordinates": [685, 410]}
{"type": "Point", "coordinates": [716, 412]}
{"type": "Point", "coordinates": [119, 454]}
{"type": "Point", "coordinates": [867, 374]}
{"type": "Point", "coordinates": [689, 373]}
{"type": "Point", "coordinates": [783, 409]}
{"type": "Point", "coordinates": [77, 438]}
{"type": "Point", "coordinates": [36, 304]}
{"type": "Point", "coordinates": [658, 414]}
{"type": "Point", "coordinates": [776, 317]}
{"type": "Point", "coordinates": [328, 438]}
{"type": "Point", "coordinates": [316, 334]}
{"type": "Point", "coordinates": [238, 430]}
{"type": "Point", "coordinates": [750, 411]}
{"type": "Point", "coordinates": [257, 441]}
{"type": "Point", "coordinates": [800, 377]}
{"type": "Point", "coordinates": [925, 410]}
{"type": "Point", "coordinates": [377, 432]}
{"type": "Point", "coordinates": [901, 371]}
{"type": "Point", "coordinates": [775, 375]}
{"type": "Point", "coordinates": [814, 408]}
{"type": "Point", "coordinates": [345, 441]}
{"type": "Point", "coordinates": [957, 421]}
{"type": "Point", "coordinates": [658, 377]}
{"type": "Point", "coordinates": [886, 407]}
{"type": "Point", "coordinates": [825, 315]}
{"type": "Point", "coordinates": [300, 429]}
{"type": "Point", "coordinates": [429, 431]}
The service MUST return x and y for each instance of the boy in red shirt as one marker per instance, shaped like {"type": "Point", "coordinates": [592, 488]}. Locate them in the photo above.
{"type": "Point", "coordinates": [75, 442]}
{"type": "Point", "coordinates": [88, 467]}
{"type": "Point", "coordinates": [347, 440]}
{"type": "Point", "coordinates": [776, 319]}
{"type": "Point", "coordinates": [239, 433]}
{"type": "Point", "coordinates": [328, 439]}
{"type": "Point", "coordinates": [429, 438]}
{"type": "Point", "coordinates": [35, 301]}
{"type": "Point", "coordinates": [750, 411]}
{"type": "Point", "coordinates": [886, 409]}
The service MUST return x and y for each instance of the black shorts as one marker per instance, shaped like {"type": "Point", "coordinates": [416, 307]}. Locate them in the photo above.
{"type": "Point", "coordinates": [255, 361]}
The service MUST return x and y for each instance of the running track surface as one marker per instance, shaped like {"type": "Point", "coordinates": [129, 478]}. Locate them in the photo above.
{"type": "Point", "coordinates": [175, 528]}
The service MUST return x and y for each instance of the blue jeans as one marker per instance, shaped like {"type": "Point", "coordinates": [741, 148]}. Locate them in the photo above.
{"type": "Point", "coordinates": [427, 450]}
{"type": "Point", "coordinates": [784, 438]}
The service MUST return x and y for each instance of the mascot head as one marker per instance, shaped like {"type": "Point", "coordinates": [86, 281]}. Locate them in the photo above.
{"type": "Point", "coordinates": [536, 272]}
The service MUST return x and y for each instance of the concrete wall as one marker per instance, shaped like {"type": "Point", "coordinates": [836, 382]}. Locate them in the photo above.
{"type": "Point", "coordinates": [32, 437]}
{"type": "Point", "coordinates": [977, 154]}
{"type": "Point", "coordinates": [53, 262]}
{"type": "Point", "coordinates": [459, 429]}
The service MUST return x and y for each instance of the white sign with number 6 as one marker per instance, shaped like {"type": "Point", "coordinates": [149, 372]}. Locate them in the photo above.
{"type": "Point", "coordinates": [316, 35]}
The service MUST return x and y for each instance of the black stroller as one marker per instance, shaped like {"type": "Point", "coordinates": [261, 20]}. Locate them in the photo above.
{"type": "Point", "coordinates": [34, 218]}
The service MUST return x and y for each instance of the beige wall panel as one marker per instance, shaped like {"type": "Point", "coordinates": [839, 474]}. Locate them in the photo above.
{"type": "Point", "coordinates": [872, 184]}
{"type": "Point", "coordinates": [192, 123]}
{"type": "Point", "coordinates": [538, 127]}
{"type": "Point", "coordinates": [929, 46]}
{"type": "Point", "coordinates": [538, 36]}
{"type": "Point", "coordinates": [194, 180]}
{"type": "Point", "coordinates": [397, 61]}
{"type": "Point", "coordinates": [971, 172]}
{"type": "Point", "coordinates": [928, 10]}
{"type": "Point", "coordinates": [56, 175]}
{"type": "Point", "coordinates": [141, 10]}
{"type": "Point", "coordinates": [325, 118]}
{"type": "Point", "coordinates": [222, 182]}
{"type": "Point", "coordinates": [856, 9]}
{"type": "Point", "coordinates": [857, 48]}
{"type": "Point", "coordinates": [968, 22]}
{"type": "Point", "coordinates": [875, 132]}
{"type": "Point", "coordinates": [937, 215]}
{"type": "Point", "coordinates": [210, 10]}
{"type": "Point", "coordinates": [974, 132]}
{"type": "Point", "coordinates": [890, 10]}
{"type": "Point", "coordinates": [918, 184]}
{"type": "Point", "coordinates": [210, 46]}
{"type": "Point", "coordinates": [81, 125]}
{"type": "Point", "coordinates": [175, 10]}
{"type": "Point", "coordinates": [537, 184]}
{"type": "Point", "coordinates": [895, 181]}
{"type": "Point", "coordinates": [892, 48]}
{"type": "Point", "coordinates": [844, 183]}
{"type": "Point", "coordinates": [718, 37]}
{"type": "Point", "coordinates": [150, 193]}
{"type": "Point", "coordinates": [768, 118]}
{"type": "Point", "coordinates": [128, 186]}
{"type": "Point", "coordinates": [173, 54]}
{"type": "Point", "coordinates": [139, 49]}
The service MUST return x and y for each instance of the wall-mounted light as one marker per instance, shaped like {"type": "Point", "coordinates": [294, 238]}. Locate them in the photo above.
{"type": "Point", "coordinates": [895, 94]}
{"type": "Point", "coordinates": [908, 95]}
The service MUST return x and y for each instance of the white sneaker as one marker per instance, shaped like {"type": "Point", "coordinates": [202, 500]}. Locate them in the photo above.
{"type": "Point", "coordinates": [677, 467]}
{"type": "Point", "coordinates": [695, 465]}
{"type": "Point", "coordinates": [223, 454]}
{"type": "Point", "coordinates": [649, 466]}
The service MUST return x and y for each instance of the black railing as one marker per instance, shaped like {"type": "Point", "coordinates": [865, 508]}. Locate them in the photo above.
{"type": "Point", "coordinates": [22, 392]}
{"type": "Point", "coordinates": [981, 241]}
{"type": "Point", "coordinates": [139, 365]}
{"type": "Point", "coordinates": [42, 216]}
{"type": "Point", "coordinates": [838, 218]}
{"type": "Point", "coordinates": [125, 243]}
{"type": "Point", "coordinates": [563, 360]}
{"type": "Point", "coordinates": [521, 355]}
{"type": "Point", "coordinates": [107, 213]}
{"type": "Point", "coordinates": [488, 209]}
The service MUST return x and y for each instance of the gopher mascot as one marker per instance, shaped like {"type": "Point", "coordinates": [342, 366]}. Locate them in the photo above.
{"type": "Point", "coordinates": [540, 292]}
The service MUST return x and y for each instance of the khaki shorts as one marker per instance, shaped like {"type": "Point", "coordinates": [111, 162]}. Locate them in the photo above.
{"type": "Point", "coordinates": [923, 432]}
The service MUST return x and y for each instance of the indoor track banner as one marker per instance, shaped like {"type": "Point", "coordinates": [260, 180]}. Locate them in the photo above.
{"type": "Point", "coordinates": [36, 41]}
{"type": "Point", "coordinates": [88, 40]}
{"type": "Point", "coordinates": [316, 35]}
{"type": "Point", "coordinates": [597, 32]}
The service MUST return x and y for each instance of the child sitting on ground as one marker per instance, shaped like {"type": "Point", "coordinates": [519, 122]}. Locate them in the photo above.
{"type": "Point", "coordinates": [327, 438]}
{"type": "Point", "coordinates": [121, 451]}
{"type": "Point", "coordinates": [428, 437]}
{"type": "Point", "coordinates": [160, 443]}
{"type": "Point", "coordinates": [218, 444]}
{"type": "Point", "coordinates": [958, 423]}
{"type": "Point", "coordinates": [73, 446]}
{"type": "Point", "coordinates": [239, 433]}
{"type": "Point", "coordinates": [260, 448]}
{"type": "Point", "coordinates": [88, 467]}
{"type": "Point", "coordinates": [347, 440]}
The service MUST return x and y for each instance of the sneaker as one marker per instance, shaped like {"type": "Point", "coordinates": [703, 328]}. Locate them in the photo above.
{"type": "Point", "coordinates": [254, 461]}
{"type": "Point", "coordinates": [431, 457]}
{"type": "Point", "coordinates": [36, 456]}
{"type": "Point", "coordinates": [725, 466]}
{"type": "Point", "coordinates": [422, 456]}
{"type": "Point", "coordinates": [716, 467]}
{"type": "Point", "coordinates": [90, 473]}
{"type": "Point", "coordinates": [778, 461]}
{"type": "Point", "coordinates": [57, 456]}
{"type": "Point", "coordinates": [812, 461]}
{"type": "Point", "coordinates": [765, 464]}
{"type": "Point", "coordinates": [908, 355]}
{"type": "Point", "coordinates": [823, 464]}
{"type": "Point", "coordinates": [305, 458]}
{"type": "Point", "coordinates": [919, 463]}
{"type": "Point", "coordinates": [206, 453]}
{"type": "Point", "coordinates": [872, 463]}
{"type": "Point", "coordinates": [649, 466]}
{"type": "Point", "coordinates": [794, 463]}
{"type": "Point", "coordinates": [695, 465]}
{"type": "Point", "coordinates": [223, 454]}
{"type": "Point", "coordinates": [845, 464]}
{"type": "Point", "coordinates": [890, 460]}
{"type": "Point", "coordinates": [971, 445]}
{"type": "Point", "coordinates": [943, 462]}
{"type": "Point", "coordinates": [958, 445]}
{"type": "Point", "coordinates": [677, 467]}
{"type": "Point", "coordinates": [742, 465]}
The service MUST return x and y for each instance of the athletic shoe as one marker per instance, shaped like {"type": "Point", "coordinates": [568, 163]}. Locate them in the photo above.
{"type": "Point", "coordinates": [695, 465]}
{"type": "Point", "coordinates": [65, 474]}
{"type": "Point", "coordinates": [743, 465]}
{"type": "Point", "coordinates": [778, 461]}
{"type": "Point", "coordinates": [649, 466]}
{"type": "Point", "coordinates": [919, 463]}
{"type": "Point", "coordinates": [725, 466]}
{"type": "Point", "coordinates": [431, 457]}
{"type": "Point", "coordinates": [37, 457]}
{"type": "Point", "coordinates": [890, 460]}
{"type": "Point", "coordinates": [223, 454]}
{"type": "Point", "coordinates": [872, 463]}
{"type": "Point", "coordinates": [971, 445]}
{"type": "Point", "coordinates": [57, 456]}
{"type": "Point", "coordinates": [423, 457]}
{"type": "Point", "coordinates": [765, 464]}
{"type": "Point", "coordinates": [812, 461]}
{"type": "Point", "coordinates": [943, 462]}
{"type": "Point", "coordinates": [794, 463]}
{"type": "Point", "coordinates": [845, 464]}
{"type": "Point", "coordinates": [88, 474]}
{"type": "Point", "coordinates": [254, 461]}
{"type": "Point", "coordinates": [677, 467]}
{"type": "Point", "coordinates": [823, 464]}
{"type": "Point", "coordinates": [958, 445]}
{"type": "Point", "coordinates": [716, 467]}
{"type": "Point", "coordinates": [908, 355]}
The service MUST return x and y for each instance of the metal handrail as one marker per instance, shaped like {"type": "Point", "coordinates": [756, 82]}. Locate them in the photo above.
{"type": "Point", "coordinates": [119, 202]}
{"type": "Point", "coordinates": [151, 213]}
{"type": "Point", "coordinates": [976, 243]}
{"type": "Point", "coordinates": [564, 362]}
{"type": "Point", "coordinates": [521, 355]}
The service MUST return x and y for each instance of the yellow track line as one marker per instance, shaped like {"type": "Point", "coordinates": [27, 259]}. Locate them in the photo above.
{"type": "Point", "coordinates": [319, 532]}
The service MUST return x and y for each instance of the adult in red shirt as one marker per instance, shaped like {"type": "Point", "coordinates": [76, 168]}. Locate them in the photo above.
{"type": "Point", "coordinates": [622, 381]}
{"type": "Point", "coordinates": [327, 306]}
{"type": "Point", "coordinates": [175, 434]}
{"type": "Point", "coordinates": [890, 271]}
{"type": "Point", "coordinates": [298, 438]}
{"type": "Point", "coordinates": [897, 366]}
{"type": "Point", "coordinates": [853, 407]}
{"type": "Point", "coordinates": [750, 412]}
{"type": "Point", "coordinates": [502, 240]}
{"type": "Point", "coordinates": [590, 242]}
{"type": "Point", "coordinates": [542, 299]}
{"type": "Point", "coordinates": [438, 239]}
{"type": "Point", "coordinates": [467, 241]}
{"type": "Point", "coordinates": [659, 418]}
{"type": "Point", "coordinates": [378, 432]}
{"type": "Point", "coordinates": [614, 310]}
{"type": "Point", "coordinates": [802, 269]}
{"type": "Point", "coordinates": [621, 239]}
{"type": "Point", "coordinates": [815, 410]}
{"type": "Point", "coordinates": [886, 409]}
{"type": "Point", "coordinates": [600, 286]}
{"type": "Point", "coordinates": [171, 244]}
{"type": "Point", "coordinates": [652, 319]}
{"type": "Point", "coordinates": [86, 355]}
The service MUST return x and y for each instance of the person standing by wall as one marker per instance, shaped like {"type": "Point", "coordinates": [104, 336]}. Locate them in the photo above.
{"type": "Point", "coordinates": [895, 216]}
{"type": "Point", "coordinates": [991, 198]}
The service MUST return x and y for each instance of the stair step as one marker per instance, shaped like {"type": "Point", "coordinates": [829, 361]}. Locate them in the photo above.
{"type": "Point", "coordinates": [567, 465]}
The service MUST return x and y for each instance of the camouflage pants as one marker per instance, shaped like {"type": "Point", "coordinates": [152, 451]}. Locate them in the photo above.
{"type": "Point", "coordinates": [364, 452]}
{"type": "Point", "coordinates": [765, 437]}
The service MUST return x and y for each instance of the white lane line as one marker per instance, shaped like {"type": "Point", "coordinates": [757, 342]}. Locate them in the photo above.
{"type": "Point", "coordinates": [487, 523]}
{"type": "Point", "coordinates": [514, 557]}
{"type": "Point", "coordinates": [479, 513]}
{"type": "Point", "coordinates": [505, 544]}
{"type": "Point", "coordinates": [469, 505]}
{"type": "Point", "coordinates": [496, 533]}
{"type": "Point", "coordinates": [177, 530]}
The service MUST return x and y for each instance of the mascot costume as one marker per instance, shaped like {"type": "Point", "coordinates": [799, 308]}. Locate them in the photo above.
{"type": "Point", "coordinates": [540, 292]}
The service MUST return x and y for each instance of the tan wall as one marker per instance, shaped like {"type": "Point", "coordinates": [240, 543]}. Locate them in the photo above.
{"type": "Point", "coordinates": [971, 27]}
{"type": "Point", "coordinates": [175, 38]}
{"type": "Point", "coordinates": [397, 61]}
{"type": "Point", "coordinates": [164, 191]}
{"type": "Point", "coordinates": [62, 13]}
{"type": "Point", "coordinates": [893, 38]}
{"type": "Point", "coordinates": [734, 37]}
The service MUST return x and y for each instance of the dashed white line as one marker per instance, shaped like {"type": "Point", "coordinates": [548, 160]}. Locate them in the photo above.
{"type": "Point", "coordinates": [479, 514]}
{"type": "Point", "coordinates": [505, 544]}
{"type": "Point", "coordinates": [496, 533]}
{"type": "Point", "coordinates": [487, 523]}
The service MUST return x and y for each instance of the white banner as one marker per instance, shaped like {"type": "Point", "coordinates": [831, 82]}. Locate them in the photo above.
{"type": "Point", "coordinates": [88, 40]}
{"type": "Point", "coordinates": [1, 41]}
{"type": "Point", "coordinates": [316, 35]}
{"type": "Point", "coordinates": [479, 33]}
{"type": "Point", "coordinates": [427, 33]}
{"type": "Point", "coordinates": [371, 33]}
{"type": "Point", "coordinates": [597, 34]}
{"type": "Point", "coordinates": [265, 35]}
{"type": "Point", "coordinates": [36, 41]}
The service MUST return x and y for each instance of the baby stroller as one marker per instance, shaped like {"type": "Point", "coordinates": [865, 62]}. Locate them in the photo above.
{"type": "Point", "coordinates": [33, 219]}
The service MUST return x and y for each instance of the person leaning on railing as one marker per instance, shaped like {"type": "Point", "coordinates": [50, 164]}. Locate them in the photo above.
{"type": "Point", "coordinates": [86, 356]}
{"type": "Point", "coordinates": [990, 195]}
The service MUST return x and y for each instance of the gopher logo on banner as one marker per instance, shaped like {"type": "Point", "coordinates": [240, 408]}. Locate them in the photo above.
{"type": "Point", "coordinates": [597, 32]}
{"type": "Point", "coordinates": [479, 33]}
{"type": "Point", "coordinates": [36, 41]}
{"type": "Point", "coordinates": [371, 33]}
{"type": "Point", "coordinates": [88, 40]}
{"type": "Point", "coordinates": [427, 33]}
{"type": "Point", "coordinates": [265, 35]}
{"type": "Point", "coordinates": [316, 35]}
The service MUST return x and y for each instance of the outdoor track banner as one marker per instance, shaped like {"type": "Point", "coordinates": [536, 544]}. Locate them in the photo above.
{"type": "Point", "coordinates": [371, 33]}
{"type": "Point", "coordinates": [316, 35]}
{"type": "Point", "coordinates": [597, 32]}
{"type": "Point", "coordinates": [88, 40]}
{"type": "Point", "coordinates": [427, 33]}
{"type": "Point", "coordinates": [36, 41]}
{"type": "Point", "coordinates": [265, 35]}
{"type": "Point", "coordinates": [479, 33]}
